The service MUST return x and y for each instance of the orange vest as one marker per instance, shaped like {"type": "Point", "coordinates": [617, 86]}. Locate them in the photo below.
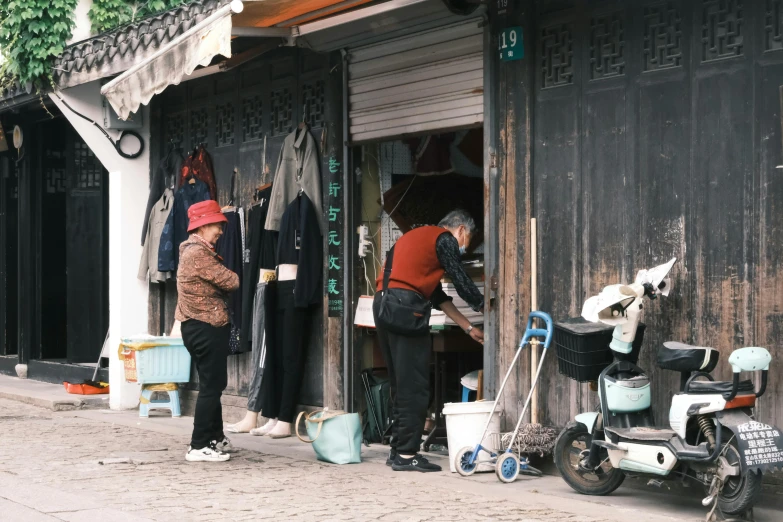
{"type": "Point", "coordinates": [415, 265]}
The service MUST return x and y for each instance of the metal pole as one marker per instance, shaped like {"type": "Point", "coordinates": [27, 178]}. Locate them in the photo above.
{"type": "Point", "coordinates": [348, 363]}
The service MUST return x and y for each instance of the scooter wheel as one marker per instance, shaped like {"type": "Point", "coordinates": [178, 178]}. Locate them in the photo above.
{"type": "Point", "coordinates": [507, 468]}
{"type": "Point", "coordinates": [462, 462]}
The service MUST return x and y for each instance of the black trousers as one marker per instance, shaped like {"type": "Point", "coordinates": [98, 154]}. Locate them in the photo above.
{"type": "Point", "coordinates": [208, 347]}
{"type": "Point", "coordinates": [408, 363]}
{"type": "Point", "coordinates": [287, 335]}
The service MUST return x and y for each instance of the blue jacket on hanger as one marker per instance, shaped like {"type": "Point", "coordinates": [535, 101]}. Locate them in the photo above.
{"type": "Point", "coordinates": [176, 229]}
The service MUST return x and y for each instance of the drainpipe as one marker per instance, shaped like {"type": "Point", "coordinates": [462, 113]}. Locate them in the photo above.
{"type": "Point", "coordinates": [348, 373]}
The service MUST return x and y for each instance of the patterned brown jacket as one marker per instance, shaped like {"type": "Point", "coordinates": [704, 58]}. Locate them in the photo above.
{"type": "Point", "coordinates": [203, 284]}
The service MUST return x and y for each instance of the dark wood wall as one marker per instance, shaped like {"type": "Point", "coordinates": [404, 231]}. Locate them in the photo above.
{"type": "Point", "coordinates": [634, 132]}
{"type": "Point", "coordinates": [232, 112]}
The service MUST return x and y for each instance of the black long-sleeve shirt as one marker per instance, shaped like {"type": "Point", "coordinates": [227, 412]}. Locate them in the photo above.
{"type": "Point", "coordinates": [300, 243]}
{"type": "Point", "coordinates": [447, 250]}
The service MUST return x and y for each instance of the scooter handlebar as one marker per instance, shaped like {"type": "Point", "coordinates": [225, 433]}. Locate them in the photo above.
{"type": "Point", "coordinates": [539, 332]}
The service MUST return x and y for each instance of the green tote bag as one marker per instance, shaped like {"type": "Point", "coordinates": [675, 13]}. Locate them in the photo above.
{"type": "Point", "coordinates": [336, 436]}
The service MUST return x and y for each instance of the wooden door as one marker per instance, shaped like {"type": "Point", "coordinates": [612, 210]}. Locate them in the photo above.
{"type": "Point", "coordinates": [86, 252]}
{"type": "Point", "coordinates": [9, 291]}
{"type": "Point", "coordinates": [657, 130]}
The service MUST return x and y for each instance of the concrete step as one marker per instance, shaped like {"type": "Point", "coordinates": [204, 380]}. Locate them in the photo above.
{"type": "Point", "coordinates": [49, 396]}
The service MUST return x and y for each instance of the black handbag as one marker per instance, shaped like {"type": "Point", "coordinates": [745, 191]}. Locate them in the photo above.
{"type": "Point", "coordinates": [400, 311]}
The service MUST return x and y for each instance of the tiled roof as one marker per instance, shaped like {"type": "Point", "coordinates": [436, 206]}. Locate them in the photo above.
{"type": "Point", "coordinates": [118, 50]}
{"type": "Point", "coordinates": [15, 89]}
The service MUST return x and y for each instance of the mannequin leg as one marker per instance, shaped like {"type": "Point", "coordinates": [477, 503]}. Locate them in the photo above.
{"type": "Point", "coordinates": [265, 429]}
{"type": "Point", "coordinates": [281, 430]}
{"type": "Point", "coordinates": [245, 425]}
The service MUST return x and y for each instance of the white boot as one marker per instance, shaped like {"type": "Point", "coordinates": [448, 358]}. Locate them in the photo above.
{"type": "Point", "coordinates": [281, 431]}
{"type": "Point", "coordinates": [245, 425]}
{"type": "Point", "coordinates": [265, 429]}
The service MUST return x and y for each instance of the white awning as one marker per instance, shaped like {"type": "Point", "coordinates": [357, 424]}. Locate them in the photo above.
{"type": "Point", "coordinates": [169, 65]}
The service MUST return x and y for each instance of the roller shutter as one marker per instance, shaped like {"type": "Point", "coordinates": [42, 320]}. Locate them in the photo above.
{"type": "Point", "coordinates": [424, 82]}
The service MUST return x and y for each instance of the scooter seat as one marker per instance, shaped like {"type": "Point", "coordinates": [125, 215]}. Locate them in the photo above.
{"type": "Point", "coordinates": [715, 387]}
{"type": "Point", "coordinates": [681, 357]}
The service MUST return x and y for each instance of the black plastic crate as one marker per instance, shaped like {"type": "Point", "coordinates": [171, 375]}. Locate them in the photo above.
{"type": "Point", "coordinates": [583, 348]}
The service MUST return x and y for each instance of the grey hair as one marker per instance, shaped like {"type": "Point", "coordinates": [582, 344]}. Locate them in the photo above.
{"type": "Point", "coordinates": [458, 217]}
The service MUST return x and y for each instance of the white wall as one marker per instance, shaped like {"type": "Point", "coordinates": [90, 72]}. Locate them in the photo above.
{"type": "Point", "coordinates": [82, 28]}
{"type": "Point", "coordinates": [128, 192]}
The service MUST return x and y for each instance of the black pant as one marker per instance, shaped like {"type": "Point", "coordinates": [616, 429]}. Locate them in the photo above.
{"type": "Point", "coordinates": [408, 363]}
{"type": "Point", "coordinates": [287, 334]}
{"type": "Point", "coordinates": [208, 347]}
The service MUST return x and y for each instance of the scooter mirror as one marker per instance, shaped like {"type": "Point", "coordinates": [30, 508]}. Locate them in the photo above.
{"type": "Point", "coordinates": [655, 276]}
{"type": "Point", "coordinates": [599, 308]}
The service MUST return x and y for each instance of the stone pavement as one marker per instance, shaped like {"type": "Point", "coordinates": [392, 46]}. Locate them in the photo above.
{"type": "Point", "coordinates": [112, 466]}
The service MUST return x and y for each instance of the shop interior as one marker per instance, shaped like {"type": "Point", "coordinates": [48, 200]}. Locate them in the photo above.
{"type": "Point", "coordinates": [405, 184]}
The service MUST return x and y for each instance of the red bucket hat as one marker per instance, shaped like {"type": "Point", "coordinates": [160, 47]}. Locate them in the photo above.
{"type": "Point", "coordinates": [204, 213]}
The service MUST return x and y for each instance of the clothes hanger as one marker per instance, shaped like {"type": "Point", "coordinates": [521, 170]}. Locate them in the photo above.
{"type": "Point", "coordinates": [264, 175]}
{"type": "Point", "coordinates": [303, 123]}
{"type": "Point", "coordinates": [230, 205]}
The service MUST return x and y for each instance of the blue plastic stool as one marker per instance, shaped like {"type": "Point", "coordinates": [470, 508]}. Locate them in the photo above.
{"type": "Point", "coordinates": [466, 394]}
{"type": "Point", "coordinates": [146, 403]}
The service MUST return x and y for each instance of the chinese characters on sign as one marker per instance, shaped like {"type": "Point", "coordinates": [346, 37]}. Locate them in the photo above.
{"type": "Point", "coordinates": [510, 44]}
{"type": "Point", "coordinates": [760, 444]}
{"type": "Point", "coordinates": [334, 210]}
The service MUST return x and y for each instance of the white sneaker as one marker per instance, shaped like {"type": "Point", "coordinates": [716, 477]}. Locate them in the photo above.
{"type": "Point", "coordinates": [206, 454]}
{"type": "Point", "coordinates": [265, 429]}
{"type": "Point", "coordinates": [224, 445]}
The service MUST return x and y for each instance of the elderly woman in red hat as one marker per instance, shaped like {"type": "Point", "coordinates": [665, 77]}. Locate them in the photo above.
{"type": "Point", "coordinates": [203, 284]}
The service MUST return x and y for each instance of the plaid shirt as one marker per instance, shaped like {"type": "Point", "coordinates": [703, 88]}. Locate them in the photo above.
{"type": "Point", "coordinates": [203, 283]}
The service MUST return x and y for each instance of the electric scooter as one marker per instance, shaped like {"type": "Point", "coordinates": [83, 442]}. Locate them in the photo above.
{"type": "Point", "coordinates": [713, 436]}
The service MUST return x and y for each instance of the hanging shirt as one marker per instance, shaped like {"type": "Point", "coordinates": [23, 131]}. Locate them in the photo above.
{"type": "Point", "coordinates": [175, 231]}
{"type": "Point", "coordinates": [159, 214]}
{"type": "Point", "coordinates": [300, 243]}
{"type": "Point", "coordinates": [165, 176]}
{"type": "Point", "coordinates": [199, 164]}
{"type": "Point", "coordinates": [297, 168]}
{"type": "Point", "coordinates": [229, 247]}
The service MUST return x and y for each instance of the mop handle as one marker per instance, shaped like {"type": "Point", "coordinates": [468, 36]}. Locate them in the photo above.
{"type": "Point", "coordinates": [534, 333]}
{"type": "Point", "coordinates": [529, 332]}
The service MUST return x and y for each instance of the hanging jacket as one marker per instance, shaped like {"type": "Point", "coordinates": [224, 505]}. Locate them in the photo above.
{"type": "Point", "coordinates": [199, 164]}
{"type": "Point", "coordinates": [300, 243]}
{"type": "Point", "coordinates": [175, 232]}
{"type": "Point", "coordinates": [297, 167]}
{"type": "Point", "coordinates": [165, 176]}
{"type": "Point", "coordinates": [149, 256]}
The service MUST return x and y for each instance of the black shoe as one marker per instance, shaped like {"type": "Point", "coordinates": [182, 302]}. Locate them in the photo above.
{"type": "Point", "coordinates": [415, 463]}
{"type": "Point", "coordinates": [391, 457]}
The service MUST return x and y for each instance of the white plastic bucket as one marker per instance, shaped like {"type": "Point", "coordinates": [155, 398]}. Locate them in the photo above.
{"type": "Point", "coordinates": [464, 423]}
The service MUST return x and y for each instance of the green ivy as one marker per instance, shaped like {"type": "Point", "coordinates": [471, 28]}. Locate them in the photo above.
{"type": "Point", "coordinates": [108, 14]}
{"type": "Point", "coordinates": [32, 32]}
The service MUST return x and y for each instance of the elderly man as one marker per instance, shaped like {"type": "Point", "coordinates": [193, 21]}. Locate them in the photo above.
{"type": "Point", "coordinates": [419, 261]}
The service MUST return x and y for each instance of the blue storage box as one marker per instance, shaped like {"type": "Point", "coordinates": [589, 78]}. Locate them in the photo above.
{"type": "Point", "coordinates": [155, 360]}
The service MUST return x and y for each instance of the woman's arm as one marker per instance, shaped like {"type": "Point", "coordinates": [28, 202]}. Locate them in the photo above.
{"type": "Point", "coordinates": [211, 270]}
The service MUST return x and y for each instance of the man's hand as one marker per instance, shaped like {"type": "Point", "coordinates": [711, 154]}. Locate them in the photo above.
{"type": "Point", "coordinates": [477, 335]}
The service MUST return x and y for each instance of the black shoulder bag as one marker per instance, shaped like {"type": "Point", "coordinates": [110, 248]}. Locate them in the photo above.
{"type": "Point", "coordinates": [401, 311]}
